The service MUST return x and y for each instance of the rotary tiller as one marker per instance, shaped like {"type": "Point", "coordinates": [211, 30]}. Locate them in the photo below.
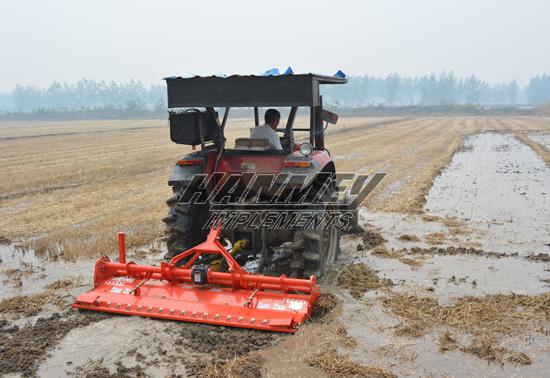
{"type": "Point", "coordinates": [196, 293]}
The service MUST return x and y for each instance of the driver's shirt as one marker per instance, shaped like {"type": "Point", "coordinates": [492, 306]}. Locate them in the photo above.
{"type": "Point", "coordinates": [266, 132]}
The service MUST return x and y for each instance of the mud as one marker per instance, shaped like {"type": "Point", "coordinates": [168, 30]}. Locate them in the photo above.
{"type": "Point", "coordinates": [541, 257]}
{"type": "Point", "coordinates": [453, 251]}
{"type": "Point", "coordinates": [96, 369]}
{"type": "Point", "coordinates": [29, 305]}
{"type": "Point", "coordinates": [399, 255]}
{"type": "Point", "coordinates": [225, 342]}
{"type": "Point", "coordinates": [23, 348]}
{"type": "Point", "coordinates": [61, 284]}
{"type": "Point", "coordinates": [409, 238]}
{"type": "Point", "coordinates": [247, 366]}
{"type": "Point", "coordinates": [370, 238]}
{"type": "Point", "coordinates": [359, 278]}
{"type": "Point", "coordinates": [336, 365]}
{"type": "Point", "coordinates": [221, 345]}
{"type": "Point", "coordinates": [326, 303]}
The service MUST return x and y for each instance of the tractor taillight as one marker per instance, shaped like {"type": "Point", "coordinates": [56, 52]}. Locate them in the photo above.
{"type": "Point", "coordinates": [190, 162]}
{"type": "Point", "coordinates": [297, 164]}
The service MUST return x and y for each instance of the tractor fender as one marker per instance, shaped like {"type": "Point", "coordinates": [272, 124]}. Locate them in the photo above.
{"type": "Point", "coordinates": [320, 162]}
{"type": "Point", "coordinates": [182, 175]}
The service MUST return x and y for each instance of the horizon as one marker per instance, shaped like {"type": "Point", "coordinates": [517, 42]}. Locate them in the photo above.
{"type": "Point", "coordinates": [353, 76]}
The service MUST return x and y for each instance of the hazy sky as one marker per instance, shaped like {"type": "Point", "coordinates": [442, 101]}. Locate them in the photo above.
{"type": "Point", "coordinates": [65, 40]}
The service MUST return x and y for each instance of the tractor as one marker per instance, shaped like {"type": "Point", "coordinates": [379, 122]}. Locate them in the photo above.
{"type": "Point", "coordinates": [250, 178]}
{"type": "Point", "coordinates": [251, 198]}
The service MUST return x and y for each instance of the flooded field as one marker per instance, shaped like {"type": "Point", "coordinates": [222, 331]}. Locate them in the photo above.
{"type": "Point", "coordinates": [501, 188]}
{"type": "Point", "coordinates": [542, 138]}
{"type": "Point", "coordinates": [449, 277]}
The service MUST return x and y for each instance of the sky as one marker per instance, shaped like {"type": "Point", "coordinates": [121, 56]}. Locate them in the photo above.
{"type": "Point", "coordinates": [66, 40]}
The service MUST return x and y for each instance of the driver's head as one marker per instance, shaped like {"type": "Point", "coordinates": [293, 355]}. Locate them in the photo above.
{"type": "Point", "coordinates": [272, 117]}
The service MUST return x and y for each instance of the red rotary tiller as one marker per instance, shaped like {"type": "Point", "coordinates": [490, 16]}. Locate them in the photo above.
{"type": "Point", "coordinates": [196, 293]}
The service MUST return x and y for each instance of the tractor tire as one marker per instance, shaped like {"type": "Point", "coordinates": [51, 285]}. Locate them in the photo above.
{"type": "Point", "coordinates": [321, 249]}
{"type": "Point", "coordinates": [183, 223]}
{"type": "Point", "coordinates": [320, 246]}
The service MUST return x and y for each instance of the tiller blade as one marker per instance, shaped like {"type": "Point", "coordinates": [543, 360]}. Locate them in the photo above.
{"type": "Point", "coordinates": [199, 294]}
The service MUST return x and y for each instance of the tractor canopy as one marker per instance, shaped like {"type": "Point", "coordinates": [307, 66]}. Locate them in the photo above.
{"type": "Point", "coordinates": [247, 91]}
{"type": "Point", "coordinates": [194, 102]}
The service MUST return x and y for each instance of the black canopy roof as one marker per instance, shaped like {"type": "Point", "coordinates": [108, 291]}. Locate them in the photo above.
{"type": "Point", "coordinates": [244, 91]}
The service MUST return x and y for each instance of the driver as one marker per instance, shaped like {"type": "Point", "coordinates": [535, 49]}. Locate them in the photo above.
{"type": "Point", "coordinates": [267, 130]}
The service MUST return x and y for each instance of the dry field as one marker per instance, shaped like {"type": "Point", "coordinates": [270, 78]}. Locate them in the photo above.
{"type": "Point", "coordinates": [448, 291]}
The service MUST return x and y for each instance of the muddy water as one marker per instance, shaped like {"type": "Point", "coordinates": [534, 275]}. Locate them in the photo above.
{"type": "Point", "coordinates": [499, 188]}
{"type": "Point", "coordinates": [420, 357]}
{"type": "Point", "coordinates": [23, 272]}
{"type": "Point", "coordinates": [543, 139]}
{"type": "Point", "coordinates": [445, 278]}
{"type": "Point", "coordinates": [128, 341]}
{"type": "Point", "coordinates": [502, 188]}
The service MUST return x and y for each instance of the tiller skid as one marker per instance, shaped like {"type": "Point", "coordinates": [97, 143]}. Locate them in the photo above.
{"type": "Point", "coordinates": [198, 293]}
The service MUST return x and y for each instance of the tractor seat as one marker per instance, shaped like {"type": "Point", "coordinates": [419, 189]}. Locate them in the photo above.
{"type": "Point", "coordinates": [252, 144]}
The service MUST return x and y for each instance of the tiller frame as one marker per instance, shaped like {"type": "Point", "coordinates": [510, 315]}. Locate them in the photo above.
{"type": "Point", "coordinates": [199, 294]}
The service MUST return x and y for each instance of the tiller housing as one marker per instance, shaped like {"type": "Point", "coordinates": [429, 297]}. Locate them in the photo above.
{"type": "Point", "coordinates": [197, 293]}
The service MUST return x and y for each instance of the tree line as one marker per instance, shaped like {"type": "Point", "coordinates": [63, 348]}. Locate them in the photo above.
{"type": "Point", "coordinates": [394, 90]}
{"type": "Point", "coordinates": [435, 89]}
{"type": "Point", "coordinates": [87, 94]}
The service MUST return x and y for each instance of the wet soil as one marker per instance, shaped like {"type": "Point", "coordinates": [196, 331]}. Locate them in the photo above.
{"type": "Point", "coordinates": [225, 342]}
{"type": "Point", "coordinates": [359, 278]}
{"type": "Point", "coordinates": [326, 303]}
{"type": "Point", "coordinates": [247, 366]}
{"type": "Point", "coordinates": [408, 238]}
{"type": "Point", "coordinates": [4, 240]}
{"type": "Point", "coordinates": [219, 345]}
{"type": "Point", "coordinates": [336, 365]}
{"type": "Point", "coordinates": [370, 238]}
{"type": "Point", "coordinates": [96, 369]}
{"type": "Point", "coordinates": [30, 305]}
{"type": "Point", "coordinates": [453, 251]}
{"type": "Point", "coordinates": [23, 348]}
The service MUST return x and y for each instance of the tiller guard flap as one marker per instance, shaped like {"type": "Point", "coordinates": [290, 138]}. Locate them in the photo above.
{"type": "Point", "coordinates": [236, 298]}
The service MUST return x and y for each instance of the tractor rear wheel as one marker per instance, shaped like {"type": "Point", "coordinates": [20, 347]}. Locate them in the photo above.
{"type": "Point", "coordinates": [183, 223]}
{"type": "Point", "coordinates": [320, 251]}
{"type": "Point", "coordinates": [313, 250]}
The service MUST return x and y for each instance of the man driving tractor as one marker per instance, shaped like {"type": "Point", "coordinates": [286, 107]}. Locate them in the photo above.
{"type": "Point", "coordinates": [268, 129]}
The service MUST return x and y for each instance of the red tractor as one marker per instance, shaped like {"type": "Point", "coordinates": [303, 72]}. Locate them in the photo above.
{"type": "Point", "coordinates": [259, 195]}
